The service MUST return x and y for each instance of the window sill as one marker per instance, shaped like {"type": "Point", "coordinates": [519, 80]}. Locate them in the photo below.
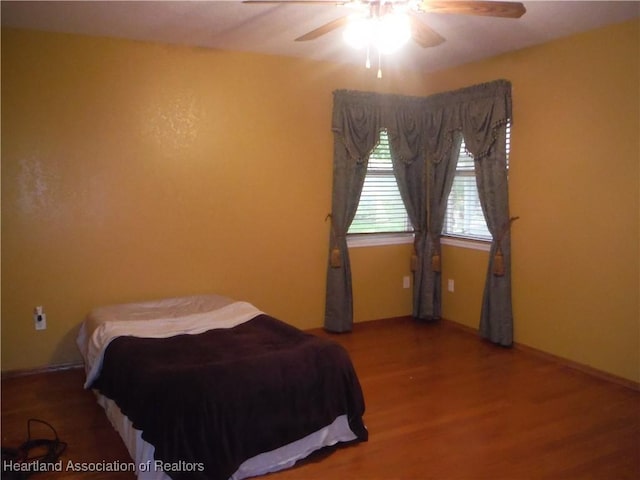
{"type": "Point", "coordinates": [378, 239]}
{"type": "Point", "coordinates": [483, 245]}
{"type": "Point", "coordinates": [382, 239]}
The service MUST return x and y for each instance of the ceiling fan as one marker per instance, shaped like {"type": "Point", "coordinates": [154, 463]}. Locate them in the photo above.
{"type": "Point", "coordinates": [421, 34]}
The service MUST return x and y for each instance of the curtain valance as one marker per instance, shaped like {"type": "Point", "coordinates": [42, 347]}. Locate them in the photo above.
{"type": "Point", "coordinates": [422, 125]}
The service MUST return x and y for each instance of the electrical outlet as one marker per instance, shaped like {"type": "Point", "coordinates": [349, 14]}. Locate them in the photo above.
{"type": "Point", "coordinates": [406, 281]}
{"type": "Point", "coordinates": [450, 285]}
{"type": "Point", "coordinates": [39, 318]}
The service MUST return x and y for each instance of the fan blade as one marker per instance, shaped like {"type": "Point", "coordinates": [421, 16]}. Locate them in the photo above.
{"type": "Point", "coordinates": [488, 9]}
{"type": "Point", "coordinates": [423, 35]}
{"type": "Point", "coordinates": [323, 29]}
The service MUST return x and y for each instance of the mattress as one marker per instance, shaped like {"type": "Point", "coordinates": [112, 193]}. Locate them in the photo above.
{"type": "Point", "coordinates": [186, 319]}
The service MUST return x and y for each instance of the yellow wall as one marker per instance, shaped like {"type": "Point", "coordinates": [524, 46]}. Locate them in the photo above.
{"type": "Point", "coordinates": [134, 171]}
{"type": "Point", "coordinates": [377, 274]}
{"type": "Point", "coordinates": [574, 182]}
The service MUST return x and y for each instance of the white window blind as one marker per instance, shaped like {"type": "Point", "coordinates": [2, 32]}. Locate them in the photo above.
{"type": "Point", "coordinates": [381, 209]}
{"type": "Point", "coordinates": [464, 217]}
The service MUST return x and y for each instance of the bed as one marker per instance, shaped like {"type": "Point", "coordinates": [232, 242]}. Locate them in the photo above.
{"type": "Point", "coordinates": [205, 387]}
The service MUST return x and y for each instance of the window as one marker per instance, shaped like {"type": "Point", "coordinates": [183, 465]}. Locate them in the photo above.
{"type": "Point", "coordinates": [381, 209]}
{"type": "Point", "coordinates": [464, 217]}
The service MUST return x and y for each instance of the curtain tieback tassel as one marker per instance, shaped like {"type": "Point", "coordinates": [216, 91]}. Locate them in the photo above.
{"type": "Point", "coordinates": [498, 263]}
{"type": "Point", "coordinates": [498, 258]}
{"type": "Point", "coordinates": [335, 258]}
{"type": "Point", "coordinates": [414, 262]}
{"type": "Point", "coordinates": [436, 264]}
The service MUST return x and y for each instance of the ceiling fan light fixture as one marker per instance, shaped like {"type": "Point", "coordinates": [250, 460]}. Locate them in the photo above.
{"type": "Point", "coordinates": [358, 32]}
{"type": "Point", "coordinates": [387, 33]}
{"type": "Point", "coordinates": [392, 32]}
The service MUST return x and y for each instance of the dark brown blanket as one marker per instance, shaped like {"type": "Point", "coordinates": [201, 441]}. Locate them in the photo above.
{"type": "Point", "coordinates": [223, 396]}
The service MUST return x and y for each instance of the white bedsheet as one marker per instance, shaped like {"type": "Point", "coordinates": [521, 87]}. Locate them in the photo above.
{"type": "Point", "coordinates": [94, 344]}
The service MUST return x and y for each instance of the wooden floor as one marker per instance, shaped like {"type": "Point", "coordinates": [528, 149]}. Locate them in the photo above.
{"type": "Point", "coordinates": [441, 404]}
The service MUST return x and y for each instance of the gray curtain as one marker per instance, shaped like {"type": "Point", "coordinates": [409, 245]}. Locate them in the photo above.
{"type": "Point", "coordinates": [425, 139]}
{"type": "Point", "coordinates": [356, 131]}
{"type": "Point", "coordinates": [441, 166]}
{"type": "Point", "coordinates": [406, 139]}
{"type": "Point", "coordinates": [484, 119]}
{"type": "Point", "coordinates": [496, 321]}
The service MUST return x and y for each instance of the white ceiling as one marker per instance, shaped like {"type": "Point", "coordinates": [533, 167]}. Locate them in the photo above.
{"type": "Point", "coordinates": [271, 29]}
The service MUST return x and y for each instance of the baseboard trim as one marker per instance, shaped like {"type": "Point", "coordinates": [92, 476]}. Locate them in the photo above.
{"type": "Point", "coordinates": [594, 372]}
{"type": "Point", "coordinates": [34, 371]}
{"type": "Point", "coordinates": [591, 371]}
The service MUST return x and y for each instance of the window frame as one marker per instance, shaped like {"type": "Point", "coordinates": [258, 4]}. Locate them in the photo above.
{"type": "Point", "coordinates": [367, 239]}
{"type": "Point", "coordinates": [462, 242]}
{"type": "Point", "coordinates": [465, 241]}
{"type": "Point", "coordinates": [373, 239]}
{"type": "Point", "coordinates": [355, 240]}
